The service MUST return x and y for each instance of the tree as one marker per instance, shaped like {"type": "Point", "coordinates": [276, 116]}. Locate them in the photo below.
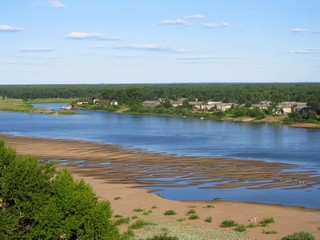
{"type": "Point", "coordinates": [39, 201]}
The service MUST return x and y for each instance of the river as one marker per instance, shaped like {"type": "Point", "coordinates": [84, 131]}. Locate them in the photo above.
{"type": "Point", "coordinates": [191, 137]}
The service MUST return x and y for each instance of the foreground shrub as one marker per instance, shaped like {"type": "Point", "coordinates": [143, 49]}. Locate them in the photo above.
{"type": "Point", "coordinates": [300, 236]}
{"type": "Point", "coordinates": [228, 223]}
{"type": "Point", "coordinates": [39, 201]}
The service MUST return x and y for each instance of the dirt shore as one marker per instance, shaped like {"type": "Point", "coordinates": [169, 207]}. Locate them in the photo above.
{"type": "Point", "coordinates": [114, 173]}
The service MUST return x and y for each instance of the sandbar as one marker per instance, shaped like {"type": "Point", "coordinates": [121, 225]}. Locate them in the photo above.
{"type": "Point", "coordinates": [126, 170]}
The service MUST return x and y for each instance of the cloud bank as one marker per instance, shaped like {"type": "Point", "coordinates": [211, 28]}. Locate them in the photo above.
{"type": "Point", "coordinates": [7, 28]}
{"type": "Point", "coordinates": [90, 36]}
{"type": "Point", "coordinates": [56, 4]}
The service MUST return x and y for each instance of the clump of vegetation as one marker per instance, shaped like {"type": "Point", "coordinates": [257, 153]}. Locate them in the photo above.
{"type": "Point", "coordinates": [269, 232]}
{"type": "Point", "coordinates": [117, 198]}
{"type": "Point", "coordinates": [121, 221]}
{"type": "Point", "coordinates": [118, 216]}
{"type": "Point", "coordinates": [181, 219]}
{"type": "Point", "coordinates": [266, 221]}
{"type": "Point", "coordinates": [138, 210]}
{"type": "Point", "coordinates": [170, 213]}
{"type": "Point", "coordinates": [300, 236]}
{"type": "Point", "coordinates": [140, 224]}
{"type": "Point", "coordinates": [146, 213]}
{"type": "Point", "coordinates": [240, 228]}
{"type": "Point", "coordinates": [154, 206]}
{"type": "Point", "coordinates": [134, 217]}
{"type": "Point", "coordinates": [228, 223]}
{"type": "Point", "coordinates": [210, 206]}
{"type": "Point", "coordinates": [208, 219]}
{"type": "Point", "coordinates": [251, 225]}
{"type": "Point", "coordinates": [191, 211]}
{"type": "Point", "coordinates": [128, 234]}
{"type": "Point", "coordinates": [40, 201]}
{"type": "Point", "coordinates": [193, 217]}
{"type": "Point", "coordinates": [163, 237]}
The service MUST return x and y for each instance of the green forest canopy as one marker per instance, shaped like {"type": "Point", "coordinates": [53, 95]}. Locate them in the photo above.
{"type": "Point", "coordinates": [236, 93]}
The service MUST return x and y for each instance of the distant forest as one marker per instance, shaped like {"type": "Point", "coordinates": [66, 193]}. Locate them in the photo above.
{"type": "Point", "coordinates": [128, 93]}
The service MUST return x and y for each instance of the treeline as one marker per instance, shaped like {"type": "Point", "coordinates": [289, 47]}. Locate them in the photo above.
{"type": "Point", "coordinates": [129, 93]}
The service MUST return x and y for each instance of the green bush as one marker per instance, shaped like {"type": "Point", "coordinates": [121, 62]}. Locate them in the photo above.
{"type": "Point", "coordinates": [191, 211]}
{"type": "Point", "coordinates": [42, 202]}
{"type": "Point", "coordinates": [193, 217]}
{"type": "Point", "coordinates": [300, 236]}
{"type": "Point", "coordinates": [228, 223]}
{"type": "Point", "coordinates": [266, 221]}
{"type": "Point", "coordinates": [170, 213]}
{"type": "Point", "coordinates": [208, 219]}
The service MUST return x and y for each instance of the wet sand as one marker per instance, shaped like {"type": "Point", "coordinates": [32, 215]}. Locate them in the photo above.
{"type": "Point", "coordinates": [127, 169]}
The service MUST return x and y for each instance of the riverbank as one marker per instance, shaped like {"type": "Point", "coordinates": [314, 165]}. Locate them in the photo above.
{"type": "Point", "coordinates": [114, 173]}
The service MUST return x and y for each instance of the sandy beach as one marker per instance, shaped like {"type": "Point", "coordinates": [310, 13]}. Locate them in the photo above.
{"type": "Point", "coordinates": [114, 173]}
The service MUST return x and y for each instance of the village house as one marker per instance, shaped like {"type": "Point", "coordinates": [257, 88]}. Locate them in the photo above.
{"type": "Point", "coordinates": [151, 103]}
{"type": "Point", "coordinates": [263, 105]}
{"type": "Point", "coordinates": [289, 107]}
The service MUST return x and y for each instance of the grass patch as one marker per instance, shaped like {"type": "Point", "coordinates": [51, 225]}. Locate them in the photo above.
{"type": "Point", "coordinates": [117, 198]}
{"type": "Point", "coordinates": [154, 206]}
{"type": "Point", "coordinates": [193, 217]}
{"type": "Point", "coordinates": [163, 237]}
{"type": "Point", "coordinates": [266, 221]}
{"type": "Point", "coordinates": [140, 224]}
{"type": "Point", "coordinates": [134, 217]}
{"type": "Point", "coordinates": [208, 219]}
{"type": "Point", "coordinates": [269, 232]}
{"type": "Point", "coordinates": [190, 212]}
{"type": "Point", "coordinates": [181, 219]}
{"type": "Point", "coordinates": [240, 228]}
{"type": "Point", "coordinates": [121, 221]}
{"type": "Point", "coordinates": [300, 236]}
{"type": "Point", "coordinates": [209, 206]}
{"type": "Point", "coordinates": [251, 225]}
{"type": "Point", "coordinates": [118, 216]}
{"type": "Point", "coordinates": [138, 210]}
{"type": "Point", "coordinates": [170, 213]}
{"type": "Point", "coordinates": [228, 223]}
{"type": "Point", "coordinates": [146, 213]}
{"type": "Point", "coordinates": [128, 234]}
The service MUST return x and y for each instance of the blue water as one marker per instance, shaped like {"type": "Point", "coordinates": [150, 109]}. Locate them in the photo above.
{"type": "Point", "coordinates": [192, 137]}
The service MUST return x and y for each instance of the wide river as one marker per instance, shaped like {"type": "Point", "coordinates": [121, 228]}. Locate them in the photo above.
{"type": "Point", "coordinates": [192, 137]}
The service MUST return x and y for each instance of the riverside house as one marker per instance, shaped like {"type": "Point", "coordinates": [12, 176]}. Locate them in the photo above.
{"type": "Point", "coordinates": [289, 107]}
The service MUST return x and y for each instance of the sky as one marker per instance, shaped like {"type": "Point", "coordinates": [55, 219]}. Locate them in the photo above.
{"type": "Point", "coordinates": [159, 41]}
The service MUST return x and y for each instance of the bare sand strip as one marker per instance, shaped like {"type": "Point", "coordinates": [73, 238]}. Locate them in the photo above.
{"type": "Point", "coordinates": [113, 173]}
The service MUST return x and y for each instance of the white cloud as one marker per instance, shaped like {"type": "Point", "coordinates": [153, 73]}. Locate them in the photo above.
{"type": "Point", "coordinates": [56, 4]}
{"type": "Point", "coordinates": [196, 57]}
{"type": "Point", "coordinates": [178, 21]}
{"type": "Point", "coordinates": [97, 46]}
{"type": "Point", "coordinates": [194, 16]}
{"type": "Point", "coordinates": [151, 47]}
{"type": "Point", "coordinates": [36, 50]}
{"type": "Point", "coordinates": [307, 51]}
{"type": "Point", "coordinates": [7, 28]}
{"type": "Point", "coordinates": [300, 30]}
{"type": "Point", "coordinates": [90, 36]}
{"type": "Point", "coordinates": [218, 25]}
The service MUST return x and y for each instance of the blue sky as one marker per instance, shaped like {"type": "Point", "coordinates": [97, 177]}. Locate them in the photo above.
{"type": "Point", "coordinates": [159, 41]}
